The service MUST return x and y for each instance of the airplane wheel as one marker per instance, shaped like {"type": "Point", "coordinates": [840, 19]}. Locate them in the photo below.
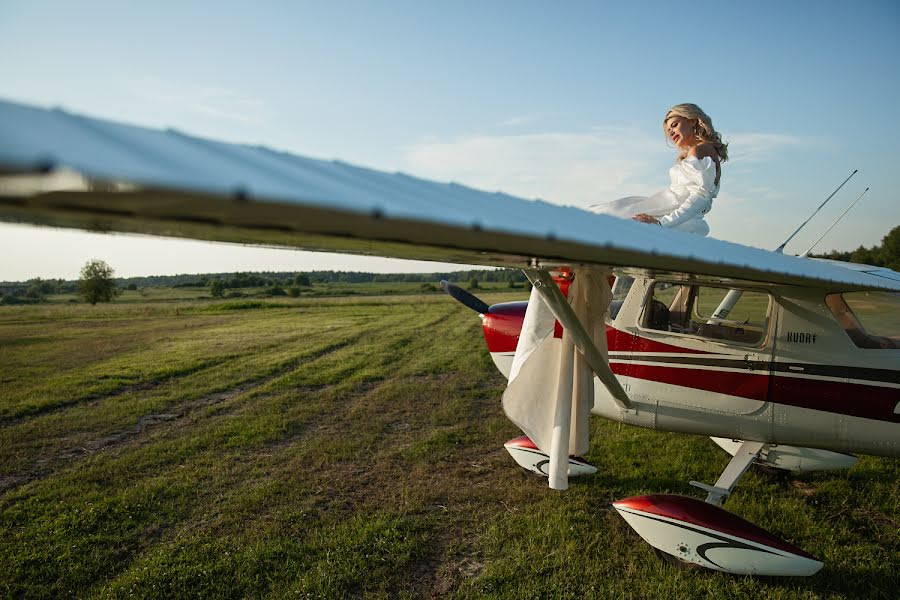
{"type": "Point", "coordinates": [677, 562]}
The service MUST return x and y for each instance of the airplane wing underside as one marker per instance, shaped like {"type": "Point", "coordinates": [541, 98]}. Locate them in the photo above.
{"type": "Point", "coordinates": [67, 170]}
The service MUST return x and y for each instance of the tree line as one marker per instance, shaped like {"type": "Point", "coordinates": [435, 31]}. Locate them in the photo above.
{"type": "Point", "coordinates": [282, 278]}
{"type": "Point", "coordinates": [885, 255]}
{"type": "Point", "coordinates": [98, 284]}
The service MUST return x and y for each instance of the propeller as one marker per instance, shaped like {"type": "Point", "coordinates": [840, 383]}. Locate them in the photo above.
{"type": "Point", "coordinates": [465, 298]}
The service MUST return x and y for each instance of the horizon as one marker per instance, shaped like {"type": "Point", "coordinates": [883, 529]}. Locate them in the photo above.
{"type": "Point", "coordinates": [563, 104]}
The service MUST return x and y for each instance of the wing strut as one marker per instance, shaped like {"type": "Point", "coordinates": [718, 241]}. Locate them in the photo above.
{"type": "Point", "coordinates": [560, 308]}
{"type": "Point", "coordinates": [574, 336]}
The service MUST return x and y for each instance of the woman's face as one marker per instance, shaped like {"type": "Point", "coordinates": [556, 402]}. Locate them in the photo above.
{"type": "Point", "coordinates": [681, 131]}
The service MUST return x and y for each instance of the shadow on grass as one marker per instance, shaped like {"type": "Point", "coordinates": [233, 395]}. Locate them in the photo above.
{"type": "Point", "coordinates": [871, 583]}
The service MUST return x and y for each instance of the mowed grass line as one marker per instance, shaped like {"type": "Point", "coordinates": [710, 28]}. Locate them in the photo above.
{"type": "Point", "coordinates": [176, 348]}
{"type": "Point", "coordinates": [367, 460]}
{"type": "Point", "coordinates": [236, 432]}
{"type": "Point", "coordinates": [283, 342]}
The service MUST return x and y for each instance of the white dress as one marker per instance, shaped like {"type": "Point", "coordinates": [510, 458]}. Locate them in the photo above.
{"type": "Point", "coordinates": [682, 206]}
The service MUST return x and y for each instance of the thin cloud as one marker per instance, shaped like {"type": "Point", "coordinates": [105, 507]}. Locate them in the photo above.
{"type": "Point", "coordinates": [517, 120]}
{"type": "Point", "coordinates": [760, 147]}
{"type": "Point", "coordinates": [578, 169]}
{"type": "Point", "coordinates": [209, 100]}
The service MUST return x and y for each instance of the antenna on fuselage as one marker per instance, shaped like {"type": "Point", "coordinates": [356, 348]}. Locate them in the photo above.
{"type": "Point", "coordinates": [780, 249]}
{"type": "Point", "coordinates": [835, 223]}
{"type": "Point", "coordinates": [733, 296]}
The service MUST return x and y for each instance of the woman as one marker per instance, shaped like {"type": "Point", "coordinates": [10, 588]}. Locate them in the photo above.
{"type": "Point", "coordinates": [694, 178]}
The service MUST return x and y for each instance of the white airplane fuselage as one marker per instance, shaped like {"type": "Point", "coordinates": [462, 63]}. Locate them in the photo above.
{"type": "Point", "coordinates": [802, 381]}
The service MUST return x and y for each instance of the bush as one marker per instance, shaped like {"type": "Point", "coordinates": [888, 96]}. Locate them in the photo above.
{"type": "Point", "coordinates": [10, 300]}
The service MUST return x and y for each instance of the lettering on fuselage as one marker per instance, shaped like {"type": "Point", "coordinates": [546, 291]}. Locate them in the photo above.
{"type": "Point", "coordinates": [799, 337]}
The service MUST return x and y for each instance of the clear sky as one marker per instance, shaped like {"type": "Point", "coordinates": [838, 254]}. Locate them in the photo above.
{"type": "Point", "coordinates": [562, 101]}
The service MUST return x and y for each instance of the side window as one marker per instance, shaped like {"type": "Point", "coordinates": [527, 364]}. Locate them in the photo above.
{"type": "Point", "coordinates": [738, 316]}
{"type": "Point", "coordinates": [871, 319]}
{"type": "Point", "coordinates": [621, 287]}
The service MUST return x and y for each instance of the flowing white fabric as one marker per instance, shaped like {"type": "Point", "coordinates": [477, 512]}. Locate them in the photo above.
{"type": "Point", "coordinates": [682, 205]}
{"type": "Point", "coordinates": [531, 397]}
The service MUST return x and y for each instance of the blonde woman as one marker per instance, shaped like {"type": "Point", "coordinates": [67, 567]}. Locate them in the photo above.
{"type": "Point", "coordinates": [695, 177]}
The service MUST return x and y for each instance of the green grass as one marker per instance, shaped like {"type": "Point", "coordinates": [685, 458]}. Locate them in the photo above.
{"type": "Point", "coordinates": [349, 446]}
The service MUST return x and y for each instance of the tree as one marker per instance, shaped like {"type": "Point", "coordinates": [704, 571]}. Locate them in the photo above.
{"type": "Point", "coordinates": [96, 283]}
{"type": "Point", "coordinates": [301, 280]}
{"type": "Point", "coordinates": [865, 256]}
{"type": "Point", "coordinates": [890, 249]}
{"type": "Point", "coordinates": [216, 288]}
{"type": "Point", "coordinates": [34, 290]}
{"type": "Point", "coordinates": [473, 283]}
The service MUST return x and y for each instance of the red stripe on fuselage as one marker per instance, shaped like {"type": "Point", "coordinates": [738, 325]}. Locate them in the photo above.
{"type": "Point", "coordinates": [621, 341]}
{"type": "Point", "coordinates": [851, 399]}
{"type": "Point", "coordinates": [745, 385]}
{"type": "Point", "coordinates": [643, 344]}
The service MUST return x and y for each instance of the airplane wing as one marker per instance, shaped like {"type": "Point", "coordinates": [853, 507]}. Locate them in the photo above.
{"type": "Point", "coordinates": [67, 170]}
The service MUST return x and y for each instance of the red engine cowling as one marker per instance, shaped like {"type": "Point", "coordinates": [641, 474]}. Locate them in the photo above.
{"type": "Point", "coordinates": [503, 321]}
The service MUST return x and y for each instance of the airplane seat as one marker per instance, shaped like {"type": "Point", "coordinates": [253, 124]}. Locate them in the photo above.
{"type": "Point", "coordinates": [658, 317]}
{"type": "Point", "coordinates": [855, 330]}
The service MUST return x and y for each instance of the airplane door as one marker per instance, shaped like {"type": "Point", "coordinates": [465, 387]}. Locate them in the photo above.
{"type": "Point", "coordinates": [685, 356]}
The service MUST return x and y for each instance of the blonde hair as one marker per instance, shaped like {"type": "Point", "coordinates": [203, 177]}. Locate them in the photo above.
{"type": "Point", "coordinates": [704, 129]}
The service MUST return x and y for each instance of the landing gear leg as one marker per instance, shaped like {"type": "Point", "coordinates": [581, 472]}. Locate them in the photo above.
{"type": "Point", "coordinates": [743, 458]}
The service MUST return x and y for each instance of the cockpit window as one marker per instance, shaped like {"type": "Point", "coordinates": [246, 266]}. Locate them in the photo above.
{"type": "Point", "coordinates": [738, 316]}
{"type": "Point", "coordinates": [871, 319]}
{"type": "Point", "coordinates": [621, 287]}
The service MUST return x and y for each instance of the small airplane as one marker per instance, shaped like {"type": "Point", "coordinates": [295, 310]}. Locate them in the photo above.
{"type": "Point", "coordinates": [788, 362]}
{"type": "Point", "coordinates": [790, 379]}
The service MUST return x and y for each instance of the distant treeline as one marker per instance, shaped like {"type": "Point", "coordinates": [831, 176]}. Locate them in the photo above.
{"type": "Point", "coordinates": [885, 255]}
{"type": "Point", "coordinates": [270, 278]}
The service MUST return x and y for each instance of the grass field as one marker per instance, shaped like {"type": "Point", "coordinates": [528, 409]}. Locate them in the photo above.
{"type": "Point", "coordinates": [349, 446]}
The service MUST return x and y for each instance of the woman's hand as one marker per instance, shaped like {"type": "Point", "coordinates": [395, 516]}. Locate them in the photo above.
{"type": "Point", "coordinates": [645, 218]}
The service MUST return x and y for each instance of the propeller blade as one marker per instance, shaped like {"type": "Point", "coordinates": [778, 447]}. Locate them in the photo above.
{"type": "Point", "coordinates": [465, 298]}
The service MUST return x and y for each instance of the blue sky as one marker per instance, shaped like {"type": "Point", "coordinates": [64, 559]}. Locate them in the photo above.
{"type": "Point", "coordinates": [560, 101]}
